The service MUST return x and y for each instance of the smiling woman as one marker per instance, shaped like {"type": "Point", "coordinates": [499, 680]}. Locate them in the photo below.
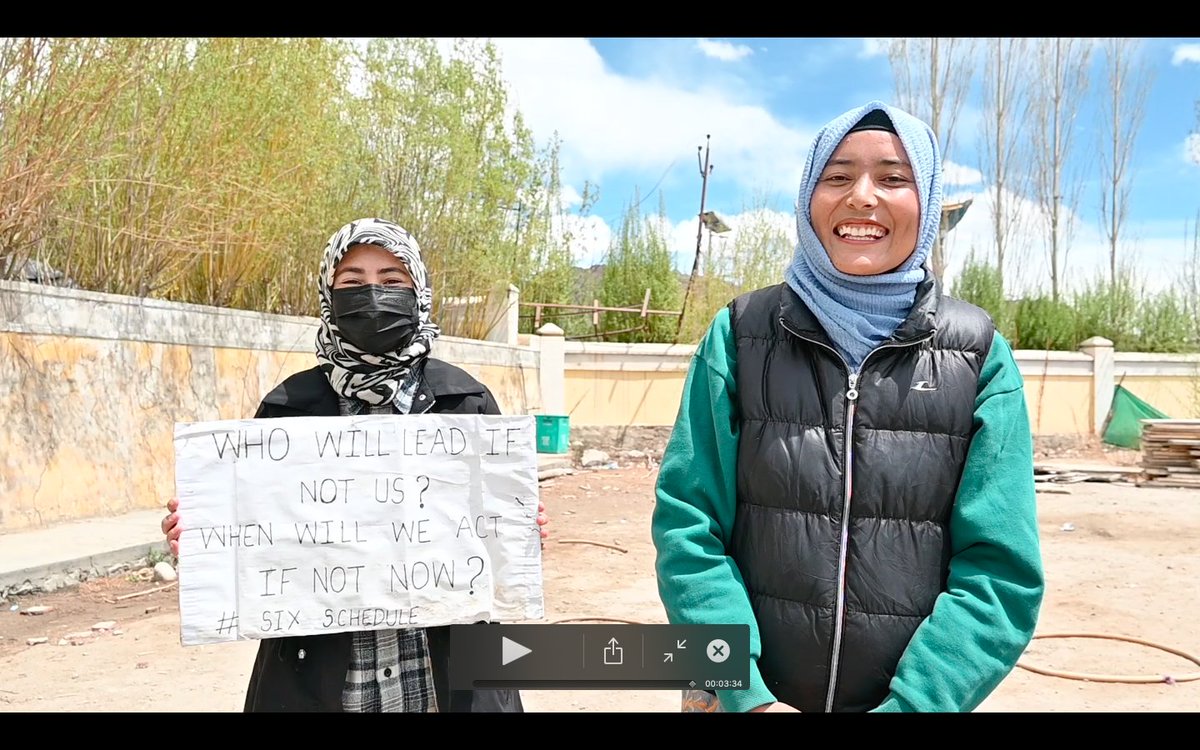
{"type": "Point", "coordinates": [851, 470]}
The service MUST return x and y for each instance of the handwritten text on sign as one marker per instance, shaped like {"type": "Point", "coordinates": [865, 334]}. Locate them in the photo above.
{"type": "Point", "coordinates": [309, 525]}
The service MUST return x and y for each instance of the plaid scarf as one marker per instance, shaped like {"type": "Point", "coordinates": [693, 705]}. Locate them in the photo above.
{"type": "Point", "coordinates": [390, 670]}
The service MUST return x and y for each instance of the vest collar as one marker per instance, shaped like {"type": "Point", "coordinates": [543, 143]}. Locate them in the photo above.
{"type": "Point", "coordinates": [920, 323]}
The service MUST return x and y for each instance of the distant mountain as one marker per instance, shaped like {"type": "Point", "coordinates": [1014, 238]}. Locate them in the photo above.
{"type": "Point", "coordinates": [589, 281]}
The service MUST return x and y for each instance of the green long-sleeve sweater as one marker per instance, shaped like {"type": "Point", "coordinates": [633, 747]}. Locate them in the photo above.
{"type": "Point", "coordinates": [980, 624]}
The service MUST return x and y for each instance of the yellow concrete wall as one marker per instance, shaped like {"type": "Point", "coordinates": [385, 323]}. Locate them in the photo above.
{"type": "Point", "coordinates": [1059, 404]}
{"type": "Point", "coordinates": [87, 424]}
{"type": "Point", "coordinates": [515, 388]}
{"type": "Point", "coordinates": [1176, 396]}
{"type": "Point", "coordinates": [244, 376]}
{"type": "Point", "coordinates": [616, 397]}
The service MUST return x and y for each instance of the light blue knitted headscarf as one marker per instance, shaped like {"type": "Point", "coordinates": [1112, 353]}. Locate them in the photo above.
{"type": "Point", "coordinates": [860, 312]}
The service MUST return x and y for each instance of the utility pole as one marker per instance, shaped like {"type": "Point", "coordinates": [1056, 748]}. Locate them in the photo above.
{"type": "Point", "coordinates": [705, 171]}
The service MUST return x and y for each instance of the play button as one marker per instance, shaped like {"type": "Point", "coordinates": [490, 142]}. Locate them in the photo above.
{"type": "Point", "coordinates": [510, 651]}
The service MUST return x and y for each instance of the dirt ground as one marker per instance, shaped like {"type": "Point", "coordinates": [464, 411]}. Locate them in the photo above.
{"type": "Point", "coordinates": [1122, 561]}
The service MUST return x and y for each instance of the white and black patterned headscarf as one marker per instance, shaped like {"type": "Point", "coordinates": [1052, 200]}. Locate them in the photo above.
{"type": "Point", "coordinates": [374, 378]}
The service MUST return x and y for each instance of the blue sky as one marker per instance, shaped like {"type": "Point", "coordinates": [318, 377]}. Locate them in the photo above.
{"type": "Point", "coordinates": [631, 114]}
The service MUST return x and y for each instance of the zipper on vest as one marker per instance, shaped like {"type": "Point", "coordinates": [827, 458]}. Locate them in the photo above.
{"type": "Point", "coordinates": [839, 612]}
{"type": "Point", "coordinates": [852, 378]}
{"type": "Point", "coordinates": [839, 609]}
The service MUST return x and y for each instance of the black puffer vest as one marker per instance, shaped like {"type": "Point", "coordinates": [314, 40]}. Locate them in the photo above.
{"type": "Point", "coordinates": [844, 543]}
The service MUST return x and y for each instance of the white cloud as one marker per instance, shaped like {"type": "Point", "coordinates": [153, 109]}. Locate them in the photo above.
{"type": "Point", "coordinates": [1158, 249]}
{"type": "Point", "coordinates": [1024, 263]}
{"type": "Point", "coordinates": [1191, 149]}
{"type": "Point", "coordinates": [1186, 53]}
{"type": "Point", "coordinates": [570, 197]}
{"type": "Point", "coordinates": [874, 47]}
{"type": "Point", "coordinates": [592, 236]}
{"type": "Point", "coordinates": [725, 51]}
{"type": "Point", "coordinates": [681, 236]}
{"type": "Point", "coordinates": [957, 174]}
{"type": "Point", "coordinates": [609, 123]}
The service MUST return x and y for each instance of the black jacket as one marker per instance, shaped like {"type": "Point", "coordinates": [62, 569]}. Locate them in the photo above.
{"type": "Point", "coordinates": [308, 673]}
{"type": "Point", "coordinates": [839, 585]}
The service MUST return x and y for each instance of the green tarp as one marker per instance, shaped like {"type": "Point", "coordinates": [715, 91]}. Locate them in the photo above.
{"type": "Point", "coordinates": [1124, 425]}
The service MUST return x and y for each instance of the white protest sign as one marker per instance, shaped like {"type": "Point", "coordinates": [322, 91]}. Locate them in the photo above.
{"type": "Point", "coordinates": [310, 525]}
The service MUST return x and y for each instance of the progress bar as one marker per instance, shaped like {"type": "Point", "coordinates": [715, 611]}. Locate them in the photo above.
{"type": "Point", "coordinates": [586, 684]}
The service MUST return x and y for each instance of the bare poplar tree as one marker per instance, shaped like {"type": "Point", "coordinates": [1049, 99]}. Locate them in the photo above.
{"type": "Point", "coordinates": [1060, 84]}
{"type": "Point", "coordinates": [932, 76]}
{"type": "Point", "coordinates": [1005, 154]}
{"type": "Point", "coordinates": [1190, 279]}
{"type": "Point", "coordinates": [1128, 82]}
{"type": "Point", "coordinates": [1188, 284]}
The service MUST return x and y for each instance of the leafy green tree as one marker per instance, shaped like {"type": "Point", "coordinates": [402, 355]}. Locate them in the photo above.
{"type": "Point", "coordinates": [980, 282]}
{"type": "Point", "coordinates": [638, 259]}
{"type": "Point", "coordinates": [449, 166]}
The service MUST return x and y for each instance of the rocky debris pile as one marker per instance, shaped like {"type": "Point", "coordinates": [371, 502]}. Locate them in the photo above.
{"type": "Point", "coordinates": [162, 573]}
{"type": "Point", "coordinates": [593, 458]}
{"type": "Point", "coordinates": [78, 638]}
{"type": "Point", "coordinates": [143, 569]}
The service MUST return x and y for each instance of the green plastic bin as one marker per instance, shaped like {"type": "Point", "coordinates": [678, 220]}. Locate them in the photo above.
{"type": "Point", "coordinates": [553, 433]}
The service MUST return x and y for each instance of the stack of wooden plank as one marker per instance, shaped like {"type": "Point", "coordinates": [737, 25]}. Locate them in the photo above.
{"type": "Point", "coordinates": [1171, 452]}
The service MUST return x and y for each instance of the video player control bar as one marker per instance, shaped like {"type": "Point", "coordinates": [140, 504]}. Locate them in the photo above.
{"type": "Point", "coordinates": [575, 657]}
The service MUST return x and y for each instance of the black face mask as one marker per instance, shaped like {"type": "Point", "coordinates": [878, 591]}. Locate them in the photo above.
{"type": "Point", "coordinates": [377, 319]}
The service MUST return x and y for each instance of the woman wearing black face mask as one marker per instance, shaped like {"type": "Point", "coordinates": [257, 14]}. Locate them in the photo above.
{"type": "Point", "coordinates": [373, 349]}
{"type": "Point", "coordinates": [376, 332]}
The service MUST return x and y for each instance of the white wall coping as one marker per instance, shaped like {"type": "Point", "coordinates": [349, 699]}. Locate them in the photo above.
{"type": "Point", "coordinates": [607, 348]}
{"type": "Point", "coordinates": [53, 311]}
{"type": "Point", "coordinates": [56, 311]}
{"type": "Point", "coordinates": [1136, 357]}
{"type": "Point", "coordinates": [1145, 364]}
{"type": "Point", "coordinates": [607, 356]}
{"type": "Point", "coordinates": [609, 366]}
{"type": "Point", "coordinates": [1040, 355]}
{"type": "Point", "coordinates": [472, 351]}
{"type": "Point", "coordinates": [1038, 363]}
